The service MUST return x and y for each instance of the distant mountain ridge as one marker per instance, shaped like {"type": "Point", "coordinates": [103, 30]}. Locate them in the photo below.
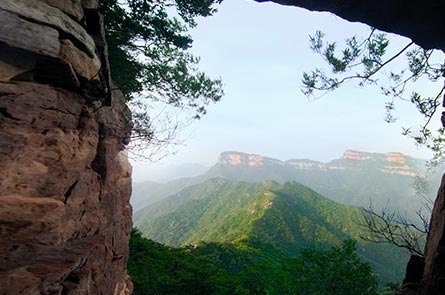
{"type": "Point", "coordinates": [390, 163]}
{"type": "Point", "coordinates": [355, 179]}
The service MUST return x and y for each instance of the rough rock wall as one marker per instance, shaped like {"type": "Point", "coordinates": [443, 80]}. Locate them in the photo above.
{"type": "Point", "coordinates": [433, 281]}
{"type": "Point", "coordinates": [424, 24]}
{"type": "Point", "coordinates": [65, 181]}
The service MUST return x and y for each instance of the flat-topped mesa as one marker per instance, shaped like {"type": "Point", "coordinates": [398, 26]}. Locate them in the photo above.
{"type": "Point", "coordinates": [389, 163]}
{"type": "Point", "coordinates": [391, 157]}
{"type": "Point", "coordinates": [397, 163]}
{"type": "Point", "coordinates": [356, 155]}
{"type": "Point", "coordinates": [243, 159]}
{"type": "Point", "coordinates": [233, 158]}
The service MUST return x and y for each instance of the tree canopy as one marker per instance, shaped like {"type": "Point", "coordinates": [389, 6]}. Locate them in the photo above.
{"type": "Point", "coordinates": [150, 63]}
{"type": "Point", "coordinates": [334, 271]}
{"type": "Point", "coordinates": [245, 268]}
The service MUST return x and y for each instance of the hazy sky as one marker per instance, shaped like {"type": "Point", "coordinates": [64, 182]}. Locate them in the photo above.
{"type": "Point", "coordinates": [260, 51]}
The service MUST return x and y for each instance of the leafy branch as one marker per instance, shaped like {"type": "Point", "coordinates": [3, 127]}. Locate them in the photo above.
{"type": "Point", "coordinates": [150, 63]}
{"type": "Point", "coordinates": [366, 59]}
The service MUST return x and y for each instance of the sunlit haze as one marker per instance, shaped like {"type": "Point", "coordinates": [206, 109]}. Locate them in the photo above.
{"type": "Point", "coordinates": [260, 51]}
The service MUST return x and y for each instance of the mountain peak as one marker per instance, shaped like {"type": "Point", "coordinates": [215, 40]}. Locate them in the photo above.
{"type": "Point", "coordinates": [233, 158]}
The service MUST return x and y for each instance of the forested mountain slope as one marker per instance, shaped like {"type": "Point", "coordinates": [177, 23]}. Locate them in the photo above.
{"type": "Point", "coordinates": [287, 216]}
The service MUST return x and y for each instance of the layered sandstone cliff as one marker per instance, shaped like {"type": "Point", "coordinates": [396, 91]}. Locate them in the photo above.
{"type": "Point", "coordinates": [388, 163]}
{"type": "Point", "coordinates": [65, 182]}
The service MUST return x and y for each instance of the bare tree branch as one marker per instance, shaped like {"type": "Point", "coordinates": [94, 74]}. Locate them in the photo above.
{"type": "Point", "coordinates": [392, 227]}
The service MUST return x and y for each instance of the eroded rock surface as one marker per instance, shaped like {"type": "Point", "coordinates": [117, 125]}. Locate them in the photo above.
{"type": "Point", "coordinates": [433, 281]}
{"type": "Point", "coordinates": [65, 181]}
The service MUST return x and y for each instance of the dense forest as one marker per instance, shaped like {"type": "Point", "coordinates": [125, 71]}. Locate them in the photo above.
{"type": "Point", "coordinates": [248, 267]}
{"type": "Point", "coordinates": [287, 216]}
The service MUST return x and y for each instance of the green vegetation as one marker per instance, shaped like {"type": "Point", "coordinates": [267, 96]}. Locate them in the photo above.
{"type": "Point", "coordinates": [246, 267]}
{"type": "Point", "coordinates": [334, 271]}
{"type": "Point", "coordinates": [159, 269]}
{"type": "Point", "coordinates": [150, 62]}
{"type": "Point", "coordinates": [286, 216]}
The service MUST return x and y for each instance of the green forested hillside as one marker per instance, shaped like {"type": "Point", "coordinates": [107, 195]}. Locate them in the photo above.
{"type": "Point", "coordinates": [206, 212]}
{"type": "Point", "coordinates": [286, 216]}
{"type": "Point", "coordinates": [246, 267]}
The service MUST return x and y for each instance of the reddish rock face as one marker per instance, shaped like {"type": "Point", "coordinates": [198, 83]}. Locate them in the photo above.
{"type": "Point", "coordinates": [65, 181]}
{"type": "Point", "coordinates": [355, 155]}
{"type": "Point", "coordinates": [241, 159]}
{"type": "Point", "coordinates": [390, 163]}
{"type": "Point", "coordinates": [434, 273]}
